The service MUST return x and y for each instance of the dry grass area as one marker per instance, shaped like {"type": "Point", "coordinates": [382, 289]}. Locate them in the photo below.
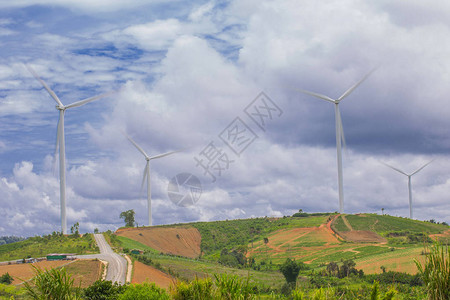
{"type": "Point", "coordinates": [84, 271]}
{"type": "Point", "coordinates": [144, 273]}
{"type": "Point", "coordinates": [24, 272]}
{"type": "Point", "coordinates": [183, 241]}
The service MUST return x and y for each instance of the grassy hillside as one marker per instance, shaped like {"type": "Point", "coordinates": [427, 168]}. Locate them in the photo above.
{"type": "Point", "coordinates": [218, 235]}
{"type": "Point", "coordinates": [41, 246]}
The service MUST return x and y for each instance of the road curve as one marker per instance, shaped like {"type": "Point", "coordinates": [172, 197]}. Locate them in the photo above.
{"type": "Point", "coordinates": [117, 265]}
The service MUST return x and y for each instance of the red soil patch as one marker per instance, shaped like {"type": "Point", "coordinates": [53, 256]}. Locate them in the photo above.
{"type": "Point", "coordinates": [444, 235]}
{"type": "Point", "coordinates": [362, 236]}
{"type": "Point", "coordinates": [143, 273]}
{"type": "Point", "coordinates": [183, 241]}
{"type": "Point", "coordinates": [86, 271]}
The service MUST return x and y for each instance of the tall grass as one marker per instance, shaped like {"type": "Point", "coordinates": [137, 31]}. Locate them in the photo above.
{"type": "Point", "coordinates": [435, 272]}
{"type": "Point", "coordinates": [54, 284]}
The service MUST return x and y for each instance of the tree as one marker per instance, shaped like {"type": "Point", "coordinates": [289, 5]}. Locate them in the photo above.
{"type": "Point", "coordinates": [74, 230]}
{"type": "Point", "coordinates": [96, 230]}
{"type": "Point", "coordinates": [290, 270]}
{"type": "Point", "coordinates": [382, 211]}
{"type": "Point", "coordinates": [128, 217]}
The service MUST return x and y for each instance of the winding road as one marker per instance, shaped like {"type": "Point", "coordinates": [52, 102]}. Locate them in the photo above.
{"type": "Point", "coordinates": [117, 265]}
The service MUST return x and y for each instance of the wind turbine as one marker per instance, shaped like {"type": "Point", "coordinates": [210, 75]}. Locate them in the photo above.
{"type": "Point", "coordinates": [340, 138]}
{"type": "Point", "coordinates": [409, 182]}
{"type": "Point", "coordinates": [147, 175]}
{"type": "Point", "coordinates": [60, 141]}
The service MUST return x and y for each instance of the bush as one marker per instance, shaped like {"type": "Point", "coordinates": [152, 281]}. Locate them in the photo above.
{"type": "Point", "coordinates": [144, 291]}
{"type": "Point", "coordinates": [6, 278]}
{"type": "Point", "coordinates": [197, 289]}
{"type": "Point", "coordinates": [104, 290]}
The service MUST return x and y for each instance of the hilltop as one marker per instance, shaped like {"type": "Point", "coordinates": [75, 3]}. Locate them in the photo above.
{"type": "Point", "coordinates": [261, 244]}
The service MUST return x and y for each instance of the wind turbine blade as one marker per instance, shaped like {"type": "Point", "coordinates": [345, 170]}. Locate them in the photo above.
{"type": "Point", "coordinates": [351, 89]}
{"type": "Point", "coordinates": [165, 154]}
{"type": "Point", "coordinates": [82, 102]}
{"type": "Point", "coordinates": [136, 145]}
{"type": "Point", "coordinates": [143, 180]}
{"type": "Point", "coordinates": [49, 90]}
{"type": "Point", "coordinates": [317, 95]}
{"type": "Point", "coordinates": [418, 170]}
{"type": "Point", "coordinates": [393, 168]}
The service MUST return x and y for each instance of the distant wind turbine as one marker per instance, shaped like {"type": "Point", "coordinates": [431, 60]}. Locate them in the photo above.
{"type": "Point", "coordinates": [340, 138]}
{"type": "Point", "coordinates": [147, 175]}
{"type": "Point", "coordinates": [61, 142]}
{"type": "Point", "coordinates": [409, 182]}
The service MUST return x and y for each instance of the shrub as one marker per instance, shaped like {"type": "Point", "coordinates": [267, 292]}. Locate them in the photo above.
{"type": "Point", "coordinates": [104, 290]}
{"type": "Point", "coordinates": [144, 291]}
{"type": "Point", "coordinates": [197, 289]}
{"type": "Point", "coordinates": [6, 278]}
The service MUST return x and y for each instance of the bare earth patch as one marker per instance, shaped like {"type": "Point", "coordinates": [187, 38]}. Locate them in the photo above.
{"type": "Point", "coordinates": [362, 236]}
{"type": "Point", "coordinates": [143, 273]}
{"type": "Point", "coordinates": [86, 271]}
{"type": "Point", "coordinates": [183, 241]}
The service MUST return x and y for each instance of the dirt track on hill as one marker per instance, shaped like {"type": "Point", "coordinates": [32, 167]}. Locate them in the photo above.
{"type": "Point", "coordinates": [183, 241]}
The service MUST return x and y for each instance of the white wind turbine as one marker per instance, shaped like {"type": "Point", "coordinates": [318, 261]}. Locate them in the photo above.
{"type": "Point", "coordinates": [61, 142]}
{"type": "Point", "coordinates": [340, 138]}
{"type": "Point", "coordinates": [409, 182]}
{"type": "Point", "coordinates": [147, 175]}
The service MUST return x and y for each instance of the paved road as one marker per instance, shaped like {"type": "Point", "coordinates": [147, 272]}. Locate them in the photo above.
{"type": "Point", "coordinates": [117, 265]}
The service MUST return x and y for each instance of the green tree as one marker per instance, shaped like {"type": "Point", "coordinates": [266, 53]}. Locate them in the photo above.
{"type": "Point", "coordinates": [96, 230]}
{"type": "Point", "coordinates": [128, 217]}
{"type": "Point", "coordinates": [290, 269]}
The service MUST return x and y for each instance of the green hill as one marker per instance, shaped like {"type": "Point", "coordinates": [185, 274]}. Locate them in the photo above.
{"type": "Point", "coordinates": [53, 243]}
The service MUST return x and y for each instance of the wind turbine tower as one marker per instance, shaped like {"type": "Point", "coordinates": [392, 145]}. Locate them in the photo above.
{"type": "Point", "coordinates": [147, 175]}
{"type": "Point", "coordinates": [60, 142]}
{"type": "Point", "coordinates": [409, 182]}
{"type": "Point", "coordinates": [340, 138]}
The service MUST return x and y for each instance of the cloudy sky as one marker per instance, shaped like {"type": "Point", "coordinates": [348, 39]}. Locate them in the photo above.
{"type": "Point", "coordinates": [188, 75]}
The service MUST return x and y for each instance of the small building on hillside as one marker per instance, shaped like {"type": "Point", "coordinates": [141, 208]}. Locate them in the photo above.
{"type": "Point", "coordinates": [61, 256]}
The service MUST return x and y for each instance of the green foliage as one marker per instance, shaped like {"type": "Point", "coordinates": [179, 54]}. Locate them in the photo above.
{"type": "Point", "coordinates": [235, 258]}
{"type": "Point", "coordinates": [6, 278]}
{"type": "Point", "coordinates": [104, 290]}
{"type": "Point", "coordinates": [197, 289]}
{"type": "Point", "coordinates": [40, 246]}
{"type": "Point", "coordinates": [225, 286]}
{"type": "Point", "coordinates": [54, 284]}
{"type": "Point", "coordinates": [391, 277]}
{"type": "Point", "coordinates": [11, 292]}
{"type": "Point", "coordinates": [127, 243]}
{"type": "Point", "coordinates": [384, 224]}
{"type": "Point", "coordinates": [290, 269]}
{"type": "Point", "coordinates": [144, 291]}
{"type": "Point", "coordinates": [128, 217]}
{"type": "Point", "coordinates": [435, 272]}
